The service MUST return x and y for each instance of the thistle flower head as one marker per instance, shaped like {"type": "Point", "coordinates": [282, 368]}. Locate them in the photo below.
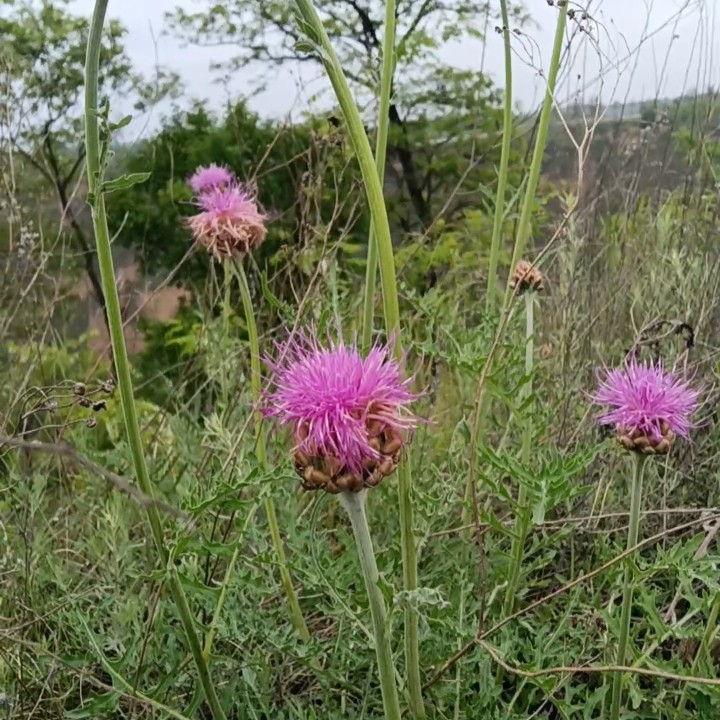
{"type": "Point", "coordinates": [349, 414]}
{"type": "Point", "coordinates": [208, 177]}
{"type": "Point", "coordinates": [648, 406]}
{"type": "Point", "coordinates": [229, 222]}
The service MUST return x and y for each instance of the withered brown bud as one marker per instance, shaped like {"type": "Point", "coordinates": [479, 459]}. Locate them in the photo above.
{"type": "Point", "coordinates": [91, 422]}
{"type": "Point", "coordinates": [79, 389]}
{"type": "Point", "coordinates": [526, 278]}
{"type": "Point", "coordinates": [83, 401]}
{"type": "Point", "coordinates": [99, 405]}
{"type": "Point", "coordinates": [108, 386]}
{"type": "Point", "coordinates": [50, 405]}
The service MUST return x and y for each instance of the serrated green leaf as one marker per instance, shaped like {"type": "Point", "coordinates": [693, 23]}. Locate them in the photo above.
{"type": "Point", "coordinates": [120, 124]}
{"type": "Point", "coordinates": [95, 706]}
{"type": "Point", "coordinates": [386, 589]}
{"type": "Point", "coordinates": [124, 182]}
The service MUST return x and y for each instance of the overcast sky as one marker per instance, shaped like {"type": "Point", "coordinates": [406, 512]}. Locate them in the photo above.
{"type": "Point", "coordinates": [638, 48]}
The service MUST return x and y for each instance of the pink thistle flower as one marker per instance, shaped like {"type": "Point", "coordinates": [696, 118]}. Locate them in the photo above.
{"type": "Point", "coordinates": [229, 222]}
{"type": "Point", "coordinates": [349, 413]}
{"type": "Point", "coordinates": [209, 177]}
{"type": "Point", "coordinates": [647, 405]}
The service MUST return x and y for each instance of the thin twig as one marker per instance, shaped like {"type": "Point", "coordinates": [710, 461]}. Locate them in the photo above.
{"type": "Point", "coordinates": [561, 522]}
{"type": "Point", "coordinates": [596, 669]}
{"type": "Point", "coordinates": [460, 654]}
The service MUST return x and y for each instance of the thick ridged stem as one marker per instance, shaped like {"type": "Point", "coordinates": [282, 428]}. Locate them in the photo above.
{"type": "Point", "coordinates": [386, 81]}
{"type": "Point", "coordinates": [705, 644]}
{"type": "Point", "coordinates": [524, 224]}
{"type": "Point", "coordinates": [632, 538]}
{"type": "Point", "coordinates": [504, 165]}
{"type": "Point", "coordinates": [122, 364]}
{"type": "Point", "coordinates": [522, 516]}
{"type": "Point", "coordinates": [296, 614]}
{"type": "Point", "coordinates": [312, 26]}
{"type": "Point", "coordinates": [482, 402]}
{"type": "Point", "coordinates": [354, 504]}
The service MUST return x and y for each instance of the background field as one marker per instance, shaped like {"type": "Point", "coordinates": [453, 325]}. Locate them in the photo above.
{"type": "Point", "coordinates": [625, 229]}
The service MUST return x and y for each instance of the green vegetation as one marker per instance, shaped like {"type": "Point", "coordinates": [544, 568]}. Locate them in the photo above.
{"type": "Point", "coordinates": [517, 502]}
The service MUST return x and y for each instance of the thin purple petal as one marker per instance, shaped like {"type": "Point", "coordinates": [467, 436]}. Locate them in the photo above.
{"type": "Point", "coordinates": [329, 395]}
{"type": "Point", "coordinates": [209, 177]}
{"type": "Point", "coordinates": [643, 397]}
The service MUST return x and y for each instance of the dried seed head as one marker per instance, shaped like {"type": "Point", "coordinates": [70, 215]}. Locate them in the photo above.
{"type": "Point", "coordinates": [99, 405]}
{"type": "Point", "coordinates": [91, 422]}
{"type": "Point", "coordinates": [83, 401]}
{"type": "Point", "coordinates": [79, 389]}
{"type": "Point", "coordinates": [229, 223]}
{"type": "Point", "coordinates": [526, 278]}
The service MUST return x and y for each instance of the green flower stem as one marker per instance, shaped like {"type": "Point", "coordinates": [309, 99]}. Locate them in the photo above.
{"type": "Point", "coordinates": [522, 517]}
{"type": "Point", "coordinates": [705, 643]}
{"type": "Point", "coordinates": [504, 164]}
{"type": "Point", "coordinates": [256, 386]}
{"type": "Point", "coordinates": [632, 538]}
{"type": "Point", "coordinates": [354, 504]}
{"type": "Point", "coordinates": [210, 636]}
{"type": "Point", "coordinates": [524, 225]}
{"type": "Point", "coordinates": [388, 67]}
{"type": "Point", "coordinates": [335, 298]}
{"type": "Point", "coordinates": [482, 402]}
{"type": "Point", "coordinates": [122, 365]}
{"type": "Point", "coordinates": [225, 369]}
{"type": "Point", "coordinates": [410, 583]}
{"type": "Point", "coordinates": [312, 26]}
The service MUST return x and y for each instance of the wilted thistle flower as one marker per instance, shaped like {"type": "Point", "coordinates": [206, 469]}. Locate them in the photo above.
{"type": "Point", "coordinates": [209, 177]}
{"type": "Point", "coordinates": [526, 277]}
{"type": "Point", "coordinates": [349, 414]}
{"type": "Point", "coordinates": [648, 406]}
{"type": "Point", "coordinates": [229, 222]}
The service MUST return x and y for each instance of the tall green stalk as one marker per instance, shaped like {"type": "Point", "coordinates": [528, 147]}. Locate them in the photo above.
{"type": "Point", "coordinates": [522, 516]}
{"type": "Point", "coordinates": [226, 315]}
{"type": "Point", "coordinates": [386, 81]}
{"type": "Point", "coordinates": [482, 403]}
{"type": "Point", "coordinates": [702, 653]}
{"type": "Point", "coordinates": [96, 199]}
{"type": "Point", "coordinates": [354, 504]}
{"type": "Point", "coordinates": [504, 165]}
{"type": "Point", "coordinates": [524, 224]}
{"type": "Point", "coordinates": [313, 27]}
{"type": "Point", "coordinates": [296, 615]}
{"type": "Point", "coordinates": [632, 538]}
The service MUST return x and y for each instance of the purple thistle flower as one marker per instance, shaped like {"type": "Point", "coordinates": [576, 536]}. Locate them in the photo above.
{"type": "Point", "coordinates": [646, 402]}
{"type": "Point", "coordinates": [342, 407]}
{"type": "Point", "coordinates": [209, 177]}
{"type": "Point", "coordinates": [229, 222]}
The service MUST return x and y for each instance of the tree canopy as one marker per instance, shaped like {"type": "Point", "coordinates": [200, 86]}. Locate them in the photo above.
{"type": "Point", "coordinates": [440, 115]}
